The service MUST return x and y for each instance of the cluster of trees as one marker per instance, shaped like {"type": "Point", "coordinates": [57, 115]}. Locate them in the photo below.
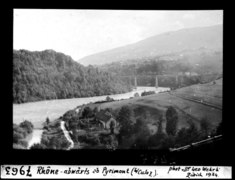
{"type": "Point", "coordinates": [52, 137]}
{"type": "Point", "coordinates": [146, 93]}
{"type": "Point", "coordinates": [172, 137]}
{"type": "Point", "coordinates": [20, 132]}
{"type": "Point", "coordinates": [53, 142]}
{"type": "Point", "coordinates": [102, 141]}
{"type": "Point", "coordinates": [132, 131]}
{"type": "Point", "coordinates": [52, 75]}
{"type": "Point", "coordinates": [109, 99]}
{"type": "Point", "coordinates": [135, 133]}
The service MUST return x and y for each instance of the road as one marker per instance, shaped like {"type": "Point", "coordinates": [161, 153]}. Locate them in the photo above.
{"type": "Point", "coordinates": [66, 133]}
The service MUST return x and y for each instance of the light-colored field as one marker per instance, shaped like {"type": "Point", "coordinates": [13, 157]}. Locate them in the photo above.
{"type": "Point", "coordinates": [210, 93]}
{"type": "Point", "coordinates": [187, 109]}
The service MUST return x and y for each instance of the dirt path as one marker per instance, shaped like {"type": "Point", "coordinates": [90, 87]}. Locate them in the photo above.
{"type": "Point", "coordinates": [66, 133]}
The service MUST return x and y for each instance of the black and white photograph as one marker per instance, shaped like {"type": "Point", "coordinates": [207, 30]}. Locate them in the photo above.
{"type": "Point", "coordinates": [119, 81]}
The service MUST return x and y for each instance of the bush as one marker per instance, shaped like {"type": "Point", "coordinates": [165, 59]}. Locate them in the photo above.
{"type": "Point", "coordinates": [38, 146]}
{"type": "Point", "coordinates": [167, 142]}
{"type": "Point", "coordinates": [156, 140]}
{"type": "Point", "coordinates": [47, 120]}
{"type": "Point", "coordinates": [146, 93]}
{"type": "Point", "coordinates": [125, 118]}
{"type": "Point", "coordinates": [17, 136]}
{"type": "Point", "coordinates": [18, 146]}
{"type": "Point", "coordinates": [182, 137]}
{"type": "Point", "coordinates": [87, 112]}
{"type": "Point", "coordinates": [192, 132]}
{"type": "Point", "coordinates": [142, 134]}
{"type": "Point", "coordinates": [109, 99]}
{"type": "Point", "coordinates": [171, 121]}
{"type": "Point", "coordinates": [89, 139]}
{"type": "Point", "coordinates": [23, 143]}
{"type": "Point", "coordinates": [187, 136]}
{"type": "Point", "coordinates": [205, 126]}
{"type": "Point", "coordinates": [136, 95]}
{"type": "Point", "coordinates": [71, 114]}
{"type": "Point", "coordinates": [219, 129]}
{"type": "Point", "coordinates": [19, 133]}
{"type": "Point", "coordinates": [109, 141]}
{"type": "Point", "coordinates": [27, 125]}
{"type": "Point", "coordinates": [55, 142]}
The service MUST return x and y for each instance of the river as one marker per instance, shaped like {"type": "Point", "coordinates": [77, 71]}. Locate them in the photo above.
{"type": "Point", "coordinates": [36, 137]}
{"type": "Point", "coordinates": [37, 112]}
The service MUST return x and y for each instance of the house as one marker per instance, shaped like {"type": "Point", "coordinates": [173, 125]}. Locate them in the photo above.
{"type": "Point", "coordinates": [105, 118]}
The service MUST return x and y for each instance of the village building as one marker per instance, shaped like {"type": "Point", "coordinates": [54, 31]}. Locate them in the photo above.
{"type": "Point", "coordinates": [106, 119]}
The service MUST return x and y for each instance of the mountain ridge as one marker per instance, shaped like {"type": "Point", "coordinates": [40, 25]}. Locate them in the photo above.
{"type": "Point", "coordinates": [172, 41]}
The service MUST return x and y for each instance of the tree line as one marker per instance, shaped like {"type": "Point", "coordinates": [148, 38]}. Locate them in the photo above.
{"type": "Point", "coordinates": [132, 131]}
{"type": "Point", "coordinates": [41, 75]}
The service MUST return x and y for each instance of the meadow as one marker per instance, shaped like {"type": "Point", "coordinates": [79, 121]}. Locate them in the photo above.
{"type": "Point", "coordinates": [187, 110]}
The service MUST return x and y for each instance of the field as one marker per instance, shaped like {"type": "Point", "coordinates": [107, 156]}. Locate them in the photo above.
{"type": "Point", "coordinates": [192, 103]}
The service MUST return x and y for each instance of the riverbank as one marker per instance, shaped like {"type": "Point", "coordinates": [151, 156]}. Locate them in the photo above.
{"type": "Point", "coordinates": [37, 112]}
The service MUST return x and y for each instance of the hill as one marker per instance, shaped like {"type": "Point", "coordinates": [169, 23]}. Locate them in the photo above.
{"type": "Point", "coordinates": [169, 42]}
{"type": "Point", "coordinates": [41, 75]}
{"type": "Point", "coordinates": [141, 122]}
{"type": "Point", "coordinates": [193, 103]}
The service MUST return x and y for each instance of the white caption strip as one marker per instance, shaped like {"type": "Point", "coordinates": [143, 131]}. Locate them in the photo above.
{"type": "Point", "coordinates": [83, 172]}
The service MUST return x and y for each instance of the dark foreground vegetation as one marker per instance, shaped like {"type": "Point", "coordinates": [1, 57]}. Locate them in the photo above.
{"type": "Point", "coordinates": [52, 137]}
{"type": "Point", "coordinates": [124, 128]}
{"type": "Point", "coordinates": [20, 133]}
{"type": "Point", "coordinates": [51, 75]}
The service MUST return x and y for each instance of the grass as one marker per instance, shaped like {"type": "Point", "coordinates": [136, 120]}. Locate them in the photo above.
{"type": "Point", "coordinates": [187, 110]}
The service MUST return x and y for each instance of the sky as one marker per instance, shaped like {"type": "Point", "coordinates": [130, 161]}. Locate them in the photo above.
{"type": "Point", "coordinates": [80, 33]}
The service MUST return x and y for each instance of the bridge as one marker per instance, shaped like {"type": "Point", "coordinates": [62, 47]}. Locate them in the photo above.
{"type": "Point", "coordinates": [135, 77]}
{"type": "Point", "coordinates": [178, 78]}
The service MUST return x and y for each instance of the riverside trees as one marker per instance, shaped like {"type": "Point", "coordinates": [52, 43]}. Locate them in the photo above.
{"type": "Point", "coordinates": [52, 75]}
{"type": "Point", "coordinates": [20, 132]}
